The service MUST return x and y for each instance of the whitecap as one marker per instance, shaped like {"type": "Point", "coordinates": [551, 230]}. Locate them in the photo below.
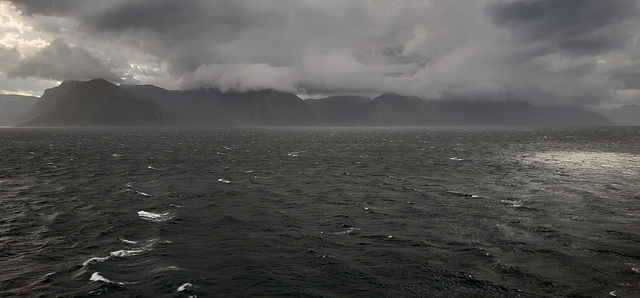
{"type": "Point", "coordinates": [95, 259]}
{"type": "Point", "coordinates": [126, 253]}
{"type": "Point", "coordinates": [155, 217]}
{"type": "Point", "coordinates": [128, 241]}
{"type": "Point", "coordinates": [184, 287]}
{"type": "Point", "coordinates": [130, 189]}
{"type": "Point", "coordinates": [347, 231]}
{"type": "Point", "coordinates": [512, 203]}
{"type": "Point", "coordinates": [97, 277]}
{"type": "Point", "coordinates": [144, 194]}
{"type": "Point", "coordinates": [350, 230]}
{"type": "Point", "coordinates": [123, 253]}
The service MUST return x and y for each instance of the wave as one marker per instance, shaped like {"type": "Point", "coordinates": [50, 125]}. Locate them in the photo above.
{"type": "Point", "coordinates": [97, 277]}
{"type": "Point", "coordinates": [154, 217]}
{"type": "Point", "coordinates": [128, 241]}
{"type": "Point", "coordinates": [184, 287]}
{"type": "Point", "coordinates": [95, 259]}
{"type": "Point", "coordinates": [512, 203]}
{"type": "Point", "coordinates": [144, 194]}
{"type": "Point", "coordinates": [463, 194]}
{"type": "Point", "coordinates": [126, 252]}
{"type": "Point", "coordinates": [123, 253]}
{"type": "Point", "coordinates": [129, 188]}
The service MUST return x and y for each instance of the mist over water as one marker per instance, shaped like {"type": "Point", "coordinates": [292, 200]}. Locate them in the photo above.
{"type": "Point", "coordinates": [320, 212]}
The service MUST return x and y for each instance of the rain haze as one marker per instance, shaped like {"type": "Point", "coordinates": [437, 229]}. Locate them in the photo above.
{"type": "Point", "coordinates": [572, 52]}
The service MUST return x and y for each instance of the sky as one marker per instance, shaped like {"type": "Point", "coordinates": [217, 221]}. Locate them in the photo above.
{"type": "Point", "coordinates": [547, 52]}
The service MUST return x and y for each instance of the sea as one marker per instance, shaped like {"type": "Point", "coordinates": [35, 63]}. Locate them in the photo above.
{"type": "Point", "coordinates": [320, 212]}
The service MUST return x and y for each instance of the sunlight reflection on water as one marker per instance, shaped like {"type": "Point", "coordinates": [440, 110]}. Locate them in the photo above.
{"type": "Point", "coordinates": [590, 161]}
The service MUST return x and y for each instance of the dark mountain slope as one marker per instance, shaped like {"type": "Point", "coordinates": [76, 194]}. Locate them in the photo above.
{"type": "Point", "coordinates": [95, 103]}
{"type": "Point", "coordinates": [394, 110]}
{"type": "Point", "coordinates": [211, 107]}
{"type": "Point", "coordinates": [272, 108]}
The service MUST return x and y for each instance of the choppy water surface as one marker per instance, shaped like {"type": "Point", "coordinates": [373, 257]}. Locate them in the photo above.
{"type": "Point", "coordinates": [320, 212]}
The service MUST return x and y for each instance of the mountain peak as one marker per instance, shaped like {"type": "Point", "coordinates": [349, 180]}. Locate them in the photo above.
{"type": "Point", "coordinates": [94, 103]}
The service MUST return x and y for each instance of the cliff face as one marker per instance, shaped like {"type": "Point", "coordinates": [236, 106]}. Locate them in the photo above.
{"type": "Point", "coordinates": [50, 99]}
{"type": "Point", "coordinates": [95, 103]}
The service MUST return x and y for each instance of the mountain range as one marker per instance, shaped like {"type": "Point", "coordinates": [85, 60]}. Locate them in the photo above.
{"type": "Point", "coordinates": [211, 107]}
{"type": "Point", "coordinates": [101, 103]}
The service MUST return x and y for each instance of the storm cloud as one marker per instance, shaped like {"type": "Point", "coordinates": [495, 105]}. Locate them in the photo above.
{"type": "Point", "coordinates": [580, 26]}
{"type": "Point", "coordinates": [60, 61]}
{"type": "Point", "coordinates": [542, 51]}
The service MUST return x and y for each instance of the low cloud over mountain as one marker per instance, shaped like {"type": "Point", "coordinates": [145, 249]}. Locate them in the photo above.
{"type": "Point", "coordinates": [573, 52]}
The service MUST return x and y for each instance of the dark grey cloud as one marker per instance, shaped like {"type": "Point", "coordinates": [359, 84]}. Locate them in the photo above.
{"type": "Point", "coordinates": [60, 61]}
{"type": "Point", "coordinates": [164, 17]}
{"type": "Point", "coordinates": [583, 26]}
{"type": "Point", "coordinates": [544, 51]}
{"type": "Point", "coordinates": [185, 33]}
{"type": "Point", "coordinates": [31, 7]}
{"type": "Point", "coordinates": [629, 80]}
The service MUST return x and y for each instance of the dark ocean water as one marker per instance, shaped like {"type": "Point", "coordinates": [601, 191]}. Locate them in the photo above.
{"type": "Point", "coordinates": [320, 212]}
